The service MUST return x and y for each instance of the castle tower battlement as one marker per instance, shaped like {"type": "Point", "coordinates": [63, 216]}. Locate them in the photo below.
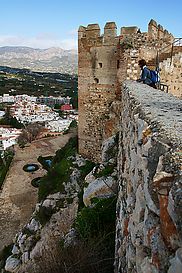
{"type": "Point", "coordinates": [104, 62]}
{"type": "Point", "coordinates": [156, 31]}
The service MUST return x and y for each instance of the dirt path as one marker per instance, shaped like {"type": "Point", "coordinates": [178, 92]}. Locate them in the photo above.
{"type": "Point", "coordinates": [18, 197]}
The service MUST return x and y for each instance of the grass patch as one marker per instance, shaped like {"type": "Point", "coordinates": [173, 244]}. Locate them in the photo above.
{"type": "Point", "coordinates": [99, 219]}
{"type": "Point", "coordinates": [108, 170]}
{"type": "Point", "coordinates": [4, 165]}
{"type": "Point", "coordinates": [44, 214]}
{"type": "Point", "coordinates": [72, 125]}
{"type": "Point", "coordinates": [59, 172]}
{"type": "Point", "coordinates": [87, 168]}
{"type": "Point", "coordinates": [94, 253]}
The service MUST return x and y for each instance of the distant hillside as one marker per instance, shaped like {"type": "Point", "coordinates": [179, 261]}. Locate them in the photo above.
{"type": "Point", "coordinates": [53, 59]}
{"type": "Point", "coordinates": [16, 81]}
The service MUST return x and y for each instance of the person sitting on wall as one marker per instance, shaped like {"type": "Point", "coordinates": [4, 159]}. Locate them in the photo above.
{"type": "Point", "coordinates": [145, 75]}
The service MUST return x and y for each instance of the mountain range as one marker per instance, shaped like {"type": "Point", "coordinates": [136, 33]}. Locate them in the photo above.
{"type": "Point", "coordinates": [52, 59]}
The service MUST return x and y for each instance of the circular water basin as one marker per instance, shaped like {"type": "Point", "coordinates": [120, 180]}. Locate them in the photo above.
{"type": "Point", "coordinates": [30, 167]}
{"type": "Point", "coordinates": [36, 182]}
{"type": "Point", "coordinates": [49, 162]}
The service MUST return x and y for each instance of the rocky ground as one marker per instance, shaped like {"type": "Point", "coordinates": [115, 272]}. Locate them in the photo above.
{"type": "Point", "coordinates": [53, 238]}
{"type": "Point", "coordinates": [18, 197]}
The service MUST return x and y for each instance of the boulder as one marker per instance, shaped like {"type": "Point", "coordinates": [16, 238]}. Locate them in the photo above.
{"type": "Point", "coordinates": [49, 203]}
{"type": "Point", "coordinates": [109, 149]}
{"type": "Point", "coordinates": [90, 177]}
{"type": "Point", "coordinates": [70, 237]}
{"type": "Point", "coordinates": [15, 250]}
{"type": "Point", "coordinates": [176, 262]}
{"type": "Point", "coordinates": [80, 161]}
{"type": "Point", "coordinates": [12, 264]}
{"type": "Point", "coordinates": [33, 225]}
{"type": "Point", "coordinates": [25, 257]}
{"type": "Point", "coordinates": [102, 187]}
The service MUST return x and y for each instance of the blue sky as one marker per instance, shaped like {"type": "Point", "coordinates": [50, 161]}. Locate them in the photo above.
{"type": "Point", "coordinates": [46, 23]}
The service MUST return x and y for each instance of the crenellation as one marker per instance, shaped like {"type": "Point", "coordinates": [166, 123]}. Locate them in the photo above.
{"type": "Point", "coordinates": [81, 32]}
{"type": "Point", "coordinates": [152, 29]}
{"type": "Point", "coordinates": [110, 29]}
{"type": "Point", "coordinates": [166, 35]}
{"type": "Point", "coordinates": [93, 31]}
{"type": "Point", "coordinates": [110, 33]}
{"type": "Point", "coordinates": [152, 23]}
{"type": "Point", "coordinates": [129, 30]}
{"type": "Point", "coordinates": [160, 32]}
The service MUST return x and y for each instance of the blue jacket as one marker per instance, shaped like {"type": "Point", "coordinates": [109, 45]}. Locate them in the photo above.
{"type": "Point", "coordinates": [145, 76]}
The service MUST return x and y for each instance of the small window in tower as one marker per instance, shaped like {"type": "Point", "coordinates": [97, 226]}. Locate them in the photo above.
{"type": "Point", "coordinates": [96, 80]}
{"type": "Point", "coordinates": [100, 65]}
{"type": "Point", "coordinates": [117, 64]}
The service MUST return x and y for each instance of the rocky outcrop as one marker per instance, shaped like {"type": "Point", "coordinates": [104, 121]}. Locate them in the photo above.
{"type": "Point", "coordinates": [35, 237]}
{"type": "Point", "coordinates": [12, 264]}
{"type": "Point", "coordinates": [102, 180]}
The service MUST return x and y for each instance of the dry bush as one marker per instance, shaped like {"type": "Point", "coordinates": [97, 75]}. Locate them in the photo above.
{"type": "Point", "coordinates": [80, 258]}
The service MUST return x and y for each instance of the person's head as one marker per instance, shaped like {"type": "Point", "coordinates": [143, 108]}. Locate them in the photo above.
{"type": "Point", "coordinates": [142, 63]}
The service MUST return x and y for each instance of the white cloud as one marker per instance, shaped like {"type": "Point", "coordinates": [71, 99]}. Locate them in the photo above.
{"type": "Point", "coordinates": [46, 35]}
{"type": "Point", "coordinates": [41, 40]}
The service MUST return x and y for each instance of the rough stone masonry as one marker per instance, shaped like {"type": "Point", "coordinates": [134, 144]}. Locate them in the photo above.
{"type": "Point", "coordinates": [149, 207]}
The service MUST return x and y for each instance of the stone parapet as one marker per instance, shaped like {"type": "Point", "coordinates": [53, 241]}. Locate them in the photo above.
{"type": "Point", "coordinates": [149, 207]}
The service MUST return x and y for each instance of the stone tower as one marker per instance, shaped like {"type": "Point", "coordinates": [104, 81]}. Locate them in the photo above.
{"type": "Point", "coordinates": [104, 62]}
{"type": "Point", "coordinates": [97, 81]}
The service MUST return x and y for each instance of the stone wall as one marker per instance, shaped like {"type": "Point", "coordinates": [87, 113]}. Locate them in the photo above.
{"type": "Point", "coordinates": [171, 74]}
{"type": "Point", "coordinates": [149, 207]}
